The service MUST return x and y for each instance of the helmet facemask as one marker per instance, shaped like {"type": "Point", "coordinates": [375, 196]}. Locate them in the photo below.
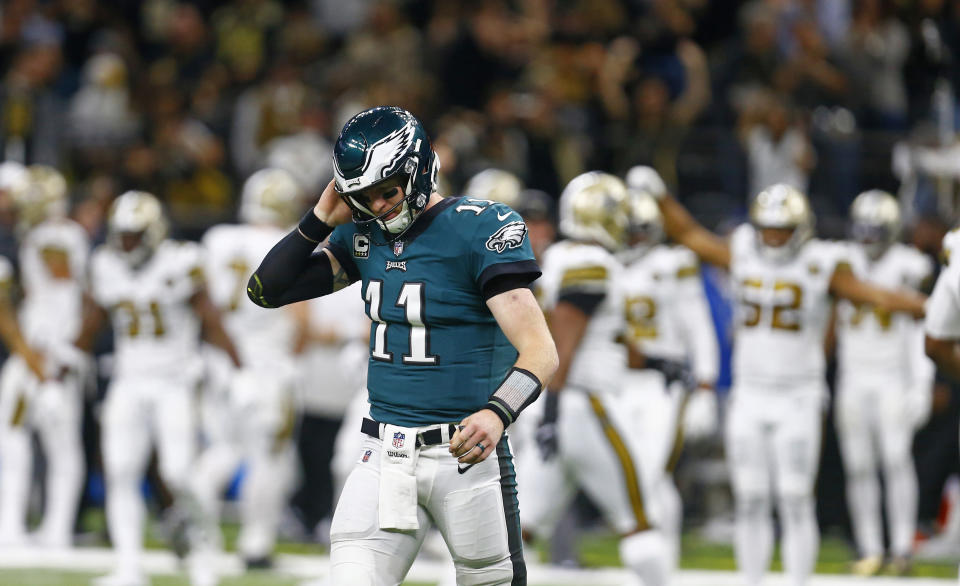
{"type": "Point", "coordinates": [404, 211]}
{"type": "Point", "coordinates": [875, 221]}
{"type": "Point", "coordinates": [781, 206]}
{"type": "Point", "coordinates": [136, 226]}
{"type": "Point", "coordinates": [645, 228]}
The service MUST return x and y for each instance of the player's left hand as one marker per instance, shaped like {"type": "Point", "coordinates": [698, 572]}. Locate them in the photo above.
{"type": "Point", "coordinates": [700, 415]}
{"type": "Point", "coordinates": [483, 428]}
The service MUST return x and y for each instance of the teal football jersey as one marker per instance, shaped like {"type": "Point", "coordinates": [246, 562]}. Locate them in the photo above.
{"type": "Point", "coordinates": [436, 352]}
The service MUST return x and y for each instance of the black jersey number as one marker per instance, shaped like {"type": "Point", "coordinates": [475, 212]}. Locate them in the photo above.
{"type": "Point", "coordinates": [412, 299]}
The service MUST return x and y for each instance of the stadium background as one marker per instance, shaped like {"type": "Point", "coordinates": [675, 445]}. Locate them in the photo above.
{"type": "Point", "coordinates": [187, 99]}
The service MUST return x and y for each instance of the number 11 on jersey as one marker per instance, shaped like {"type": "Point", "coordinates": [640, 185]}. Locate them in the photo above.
{"type": "Point", "coordinates": [412, 299]}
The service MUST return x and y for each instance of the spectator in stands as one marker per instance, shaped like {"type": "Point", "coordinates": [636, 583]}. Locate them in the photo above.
{"type": "Point", "coordinates": [658, 121]}
{"type": "Point", "coordinates": [811, 76]}
{"type": "Point", "coordinates": [101, 117]}
{"type": "Point", "coordinates": [777, 146]}
{"type": "Point", "coordinates": [31, 120]}
{"type": "Point", "coordinates": [874, 53]}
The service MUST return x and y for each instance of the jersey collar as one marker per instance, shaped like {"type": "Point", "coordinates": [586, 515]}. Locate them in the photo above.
{"type": "Point", "coordinates": [424, 220]}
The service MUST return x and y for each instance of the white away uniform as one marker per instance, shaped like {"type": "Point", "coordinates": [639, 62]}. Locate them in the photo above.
{"type": "Point", "coordinates": [667, 317]}
{"type": "Point", "coordinates": [773, 426]}
{"type": "Point", "coordinates": [53, 265]}
{"type": "Point", "coordinates": [153, 388]}
{"type": "Point", "coordinates": [252, 418]}
{"type": "Point", "coordinates": [885, 384]}
{"type": "Point", "coordinates": [943, 309]}
{"type": "Point", "coordinates": [595, 452]}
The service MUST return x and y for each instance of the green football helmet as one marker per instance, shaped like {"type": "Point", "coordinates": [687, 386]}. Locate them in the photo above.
{"type": "Point", "coordinates": [380, 144]}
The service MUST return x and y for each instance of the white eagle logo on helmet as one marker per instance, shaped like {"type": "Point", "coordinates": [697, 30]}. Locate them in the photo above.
{"type": "Point", "coordinates": [381, 159]}
{"type": "Point", "coordinates": [508, 236]}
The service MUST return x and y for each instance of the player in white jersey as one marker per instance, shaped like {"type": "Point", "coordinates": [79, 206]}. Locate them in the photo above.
{"type": "Point", "coordinates": [53, 259]}
{"type": "Point", "coordinates": [583, 438]}
{"type": "Point", "coordinates": [154, 293]}
{"type": "Point", "coordinates": [253, 419]}
{"type": "Point", "coordinates": [668, 322]}
{"type": "Point", "coordinates": [942, 324]}
{"type": "Point", "coordinates": [885, 386]}
{"type": "Point", "coordinates": [783, 280]}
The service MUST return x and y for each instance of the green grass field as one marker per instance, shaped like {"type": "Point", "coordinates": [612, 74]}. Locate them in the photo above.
{"type": "Point", "coordinates": [596, 550]}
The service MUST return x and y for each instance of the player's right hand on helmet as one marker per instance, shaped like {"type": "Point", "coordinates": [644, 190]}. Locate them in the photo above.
{"type": "Point", "coordinates": [547, 434]}
{"type": "Point", "coordinates": [330, 208]}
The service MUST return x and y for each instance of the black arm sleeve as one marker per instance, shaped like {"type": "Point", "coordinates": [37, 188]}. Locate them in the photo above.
{"type": "Point", "coordinates": [587, 302]}
{"type": "Point", "coordinates": [291, 272]}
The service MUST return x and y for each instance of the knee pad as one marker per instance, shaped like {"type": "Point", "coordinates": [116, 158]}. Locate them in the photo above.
{"type": "Point", "coordinates": [353, 573]}
{"type": "Point", "coordinates": [795, 507]}
{"type": "Point", "coordinates": [752, 506]}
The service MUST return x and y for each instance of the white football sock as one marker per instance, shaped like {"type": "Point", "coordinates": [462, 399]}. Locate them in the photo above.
{"type": "Point", "coordinates": [753, 538]}
{"type": "Point", "coordinates": [125, 513]}
{"type": "Point", "coordinates": [901, 484]}
{"type": "Point", "coordinates": [15, 459]}
{"type": "Point", "coordinates": [801, 538]}
{"type": "Point", "coordinates": [863, 501]}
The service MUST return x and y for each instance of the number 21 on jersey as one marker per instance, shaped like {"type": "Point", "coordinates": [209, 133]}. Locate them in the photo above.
{"type": "Point", "coordinates": [412, 299]}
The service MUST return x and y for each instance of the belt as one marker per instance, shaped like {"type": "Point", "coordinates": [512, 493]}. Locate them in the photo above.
{"type": "Point", "coordinates": [436, 435]}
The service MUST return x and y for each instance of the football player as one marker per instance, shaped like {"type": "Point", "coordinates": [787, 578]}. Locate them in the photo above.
{"type": "Point", "coordinates": [153, 291]}
{"type": "Point", "coordinates": [783, 280]}
{"type": "Point", "coordinates": [885, 386]}
{"type": "Point", "coordinates": [458, 348]}
{"type": "Point", "coordinates": [942, 323]}
{"type": "Point", "coordinates": [668, 321]}
{"type": "Point", "coordinates": [53, 259]}
{"type": "Point", "coordinates": [583, 437]}
{"type": "Point", "coordinates": [253, 419]}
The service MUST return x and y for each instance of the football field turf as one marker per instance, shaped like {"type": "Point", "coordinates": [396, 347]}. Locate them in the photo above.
{"type": "Point", "coordinates": [704, 564]}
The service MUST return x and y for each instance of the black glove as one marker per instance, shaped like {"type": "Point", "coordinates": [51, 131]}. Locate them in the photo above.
{"type": "Point", "coordinates": [547, 434]}
{"type": "Point", "coordinates": [673, 371]}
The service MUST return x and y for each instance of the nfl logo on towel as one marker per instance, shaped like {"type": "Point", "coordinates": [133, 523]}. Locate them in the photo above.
{"type": "Point", "coordinates": [398, 438]}
{"type": "Point", "coordinates": [398, 248]}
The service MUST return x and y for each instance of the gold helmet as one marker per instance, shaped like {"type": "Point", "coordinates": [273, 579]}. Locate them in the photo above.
{"type": "Point", "coordinates": [271, 196]}
{"type": "Point", "coordinates": [875, 221]}
{"type": "Point", "coordinates": [782, 206]}
{"type": "Point", "coordinates": [46, 198]}
{"type": "Point", "coordinates": [594, 207]}
{"type": "Point", "coordinates": [496, 185]}
{"type": "Point", "coordinates": [136, 226]}
{"type": "Point", "coordinates": [646, 224]}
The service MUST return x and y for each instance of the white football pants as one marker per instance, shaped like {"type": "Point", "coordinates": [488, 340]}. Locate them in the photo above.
{"type": "Point", "coordinates": [476, 512]}
{"type": "Point", "coordinates": [54, 411]}
{"type": "Point", "coordinates": [139, 413]}
{"type": "Point", "coordinates": [773, 451]}
{"type": "Point", "coordinates": [875, 436]}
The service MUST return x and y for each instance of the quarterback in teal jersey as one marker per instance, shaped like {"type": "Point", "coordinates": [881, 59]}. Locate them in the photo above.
{"type": "Point", "coordinates": [458, 348]}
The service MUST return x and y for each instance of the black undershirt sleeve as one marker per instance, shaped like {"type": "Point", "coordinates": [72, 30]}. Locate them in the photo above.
{"type": "Point", "coordinates": [585, 302]}
{"type": "Point", "coordinates": [291, 272]}
{"type": "Point", "coordinates": [506, 282]}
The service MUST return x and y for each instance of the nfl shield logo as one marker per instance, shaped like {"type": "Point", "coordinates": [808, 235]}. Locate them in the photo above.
{"type": "Point", "coordinates": [398, 248]}
{"type": "Point", "coordinates": [366, 456]}
{"type": "Point", "coordinates": [398, 438]}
